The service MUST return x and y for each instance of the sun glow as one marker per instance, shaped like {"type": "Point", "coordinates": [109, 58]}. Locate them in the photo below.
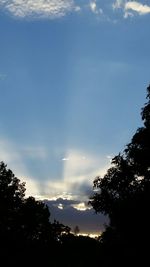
{"type": "Point", "coordinates": [91, 235]}
{"type": "Point", "coordinates": [81, 206]}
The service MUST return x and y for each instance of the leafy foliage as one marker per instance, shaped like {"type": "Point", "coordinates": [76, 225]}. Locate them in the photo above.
{"type": "Point", "coordinates": [124, 194]}
{"type": "Point", "coordinates": [24, 224]}
{"type": "Point", "coordinates": [28, 236]}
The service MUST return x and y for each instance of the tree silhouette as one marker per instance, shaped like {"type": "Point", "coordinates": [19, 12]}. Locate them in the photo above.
{"type": "Point", "coordinates": [124, 194]}
{"type": "Point", "coordinates": [25, 228]}
{"type": "Point", "coordinates": [11, 197]}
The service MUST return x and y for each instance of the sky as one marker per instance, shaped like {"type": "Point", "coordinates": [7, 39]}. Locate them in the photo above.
{"type": "Point", "coordinates": [73, 78]}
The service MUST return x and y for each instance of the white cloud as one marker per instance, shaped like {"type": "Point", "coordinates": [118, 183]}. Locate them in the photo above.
{"type": "Point", "coordinates": [81, 206]}
{"type": "Point", "coordinates": [77, 8]}
{"type": "Point", "coordinates": [94, 8]}
{"type": "Point", "coordinates": [60, 206]}
{"type": "Point", "coordinates": [131, 7]}
{"type": "Point", "coordinates": [137, 7]}
{"type": "Point", "coordinates": [39, 8]}
{"type": "Point", "coordinates": [35, 9]}
{"type": "Point", "coordinates": [117, 4]}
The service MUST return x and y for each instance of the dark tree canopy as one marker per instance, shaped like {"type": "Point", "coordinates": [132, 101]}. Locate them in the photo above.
{"type": "Point", "coordinates": [25, 228]}
{"type": "Point", "coordinates": [11, 189]}
{"type": "Point", "coordinates": [124, 194]}
{"type": "Point", "coordinates": [11, 197]}
{"type": "Point", "coordinates": [27, 237]}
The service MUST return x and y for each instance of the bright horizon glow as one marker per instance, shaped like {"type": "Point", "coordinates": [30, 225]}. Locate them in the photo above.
{"type": "Point", "coordinates": [92, 235]}
{"type": "Point", "coordinates": [81, 206]}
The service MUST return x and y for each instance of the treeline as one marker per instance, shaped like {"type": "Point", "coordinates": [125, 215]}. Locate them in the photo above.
{"type": "Point", "coordinates": [27, 237]}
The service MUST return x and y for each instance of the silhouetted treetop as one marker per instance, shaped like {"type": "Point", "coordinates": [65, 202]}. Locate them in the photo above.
{"type": "Point", "coordinates": [24, 220]}
{"type": "Point", "coordinates": [124, 194]}
{"type": "Point", "coordinates": [146, 110]}
{"type": "Point", "coordinates": [138, 151]}
{"type": "Point", "coordinates": [11, 189]}
{"type": "Point", "coordinates": [129, 169]}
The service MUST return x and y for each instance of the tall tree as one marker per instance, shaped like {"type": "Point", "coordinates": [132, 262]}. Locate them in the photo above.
{"type": "Point", "coordinates": [124, 195]}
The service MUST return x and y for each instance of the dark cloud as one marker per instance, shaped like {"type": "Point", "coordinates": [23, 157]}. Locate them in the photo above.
{"type": "Point", "coordinates": [88, 221]}
{"type": "Point", "coordinates": [86, 189]}
{"type": "Point", "coordinates": [82, 189]}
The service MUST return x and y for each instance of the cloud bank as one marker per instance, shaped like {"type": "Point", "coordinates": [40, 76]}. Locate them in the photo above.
{"type": "Point", "coordinates": [52, 9]}
{"type": "Point", "coordinates": [39, 8]}
{"type": "Point", "coordinates": [68, 213]}
{"type": "Point", "coordinates": [67, 199]}
{"type": "Point", "coordinates": [78, 170]}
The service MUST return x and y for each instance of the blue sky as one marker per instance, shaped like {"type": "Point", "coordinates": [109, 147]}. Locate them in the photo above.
{"type": "Point", "coordinates": [73, 78]}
